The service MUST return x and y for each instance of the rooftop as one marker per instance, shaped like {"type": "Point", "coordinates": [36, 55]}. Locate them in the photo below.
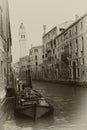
{"type": "Point", "coordinates": [75, 22]}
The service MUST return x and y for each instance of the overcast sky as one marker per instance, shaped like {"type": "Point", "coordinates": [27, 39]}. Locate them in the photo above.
{"type": "Point", "coordinates": [36, 13]}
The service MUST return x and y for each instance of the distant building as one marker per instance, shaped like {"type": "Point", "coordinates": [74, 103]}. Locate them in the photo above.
{"type": "Point", "coordinates": [22, 40]}
{"type": "Point", "coordinates": [71, 46]}
{"type": "Point", "coordinates": [23, 62]}
{"type": "Point", "coordinates": [5, 48]}
{"type": "Point", "coordinates": [36, 60]}
{"type": "Point", "coordinates": [16, 68]}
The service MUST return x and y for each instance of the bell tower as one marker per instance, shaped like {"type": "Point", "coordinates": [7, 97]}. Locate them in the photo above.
{"type": "Point", "coordinates": [22, 40]}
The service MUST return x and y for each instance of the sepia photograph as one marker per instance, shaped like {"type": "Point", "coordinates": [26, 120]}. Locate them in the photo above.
{"type": "Point", "coordinates": [43, 65]}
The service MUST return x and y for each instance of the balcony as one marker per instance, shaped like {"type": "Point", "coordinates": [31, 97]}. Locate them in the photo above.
{"type": "Point", "coordinates": [48, 49]}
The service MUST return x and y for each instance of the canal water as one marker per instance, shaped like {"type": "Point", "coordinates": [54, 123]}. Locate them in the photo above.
{"type": "Point", "coordinates": [70, 110]}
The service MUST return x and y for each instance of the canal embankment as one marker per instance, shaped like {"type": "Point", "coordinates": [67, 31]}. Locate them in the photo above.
{"type": "Point", "coordinates": [6, 94]}
{"type": "Point", "coordinates": [72, 83]}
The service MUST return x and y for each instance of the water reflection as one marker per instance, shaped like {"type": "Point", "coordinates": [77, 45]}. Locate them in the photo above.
{"type": "Point", "coordinates": [70, 111]}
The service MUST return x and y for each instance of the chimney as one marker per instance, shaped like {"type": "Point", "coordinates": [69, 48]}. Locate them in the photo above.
{"type": "Point", "coordinates": [44, 28]}
{"type": "Point", "coordinates": [76, 17]}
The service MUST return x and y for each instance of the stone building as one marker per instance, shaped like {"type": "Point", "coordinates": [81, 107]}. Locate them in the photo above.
{"type": "Point", "coordinates": [22, 64]}
{"type": "Point", "coordinates": [50, 50]}
{"type": "Point", "coordinates": [16, 68]}
{"type": "Point", "coordinates": [36, 61]}
{"type": "Point", "coordinates": [5, 48]}
{"type": "Point", "coordinates": [71, 46]}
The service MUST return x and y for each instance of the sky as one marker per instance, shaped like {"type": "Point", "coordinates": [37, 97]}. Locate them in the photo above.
{"type": "Point", "coordinates": [35, 14]}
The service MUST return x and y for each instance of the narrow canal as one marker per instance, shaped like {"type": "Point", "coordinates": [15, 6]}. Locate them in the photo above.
{"type": "Point", "coordinates": [70, 110]}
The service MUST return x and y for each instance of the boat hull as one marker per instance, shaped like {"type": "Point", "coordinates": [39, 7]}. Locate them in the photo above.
{"type": "Point", "coordinates": [34, 111]}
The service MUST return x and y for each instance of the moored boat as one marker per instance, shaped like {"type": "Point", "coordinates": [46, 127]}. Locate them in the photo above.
{"type": "Point", "coordinates": [31, 103]}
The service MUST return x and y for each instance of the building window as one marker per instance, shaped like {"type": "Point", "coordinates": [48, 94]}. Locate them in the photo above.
{"type": "Point", "coordinates": [36, 63]}
{"type": "Point", "coordinates": [70, 49]}
{"type": "Point", "coordinates": [51, 44]}
{"type": "Point", "coordinates": [76, 29]}
{"type": "Point", "coordinates": [82, 61]}
{"type": "Point", "coordinates": [53, 51]}
{"type": "Point", "coordinates": [46, 55]}
{"type": "Point", "coordinates": [78, 73]}
{"type": "Point", "coordinates": [77, 62]}
{"type": "Point", "coordinates": [35, 57]}
{"type": "Point", "coordinates": [42, 56]}
{"type": "Point", "coordinates": [76, 41]}
{"type": "Point", "coordinates": [4, 72]}
{"type": "Point", "coordinates": [36, 69]}
{"type": "Point", "coordinates": [55, 57]}
{"type": "Point", "coordinates": [8, 46]}
{"type": "Point", "coordinates": [11, 58]}
{"type": "Point", "coordinates": [35, 50]}
{"type": "Point", "coordinates": [70, 33]}
{"type": "Point", "coordinates": [55, 43]}
{"type": "Point", "coordinates": [67, 50]}
{"type": "Point", "coordinates": [76, 51]}
{"type": "Point", "coordinates": [2, 69]}
{"type": "Point", "coordinates": [81, 25]}
{"type": "Point", "coordinates": [82, 49]}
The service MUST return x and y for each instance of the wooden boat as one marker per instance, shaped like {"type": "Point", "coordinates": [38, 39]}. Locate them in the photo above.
{"type": "Point", "coordinates": [28, 101]}
{"type": "Point", "coordinates": [31, 103]}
